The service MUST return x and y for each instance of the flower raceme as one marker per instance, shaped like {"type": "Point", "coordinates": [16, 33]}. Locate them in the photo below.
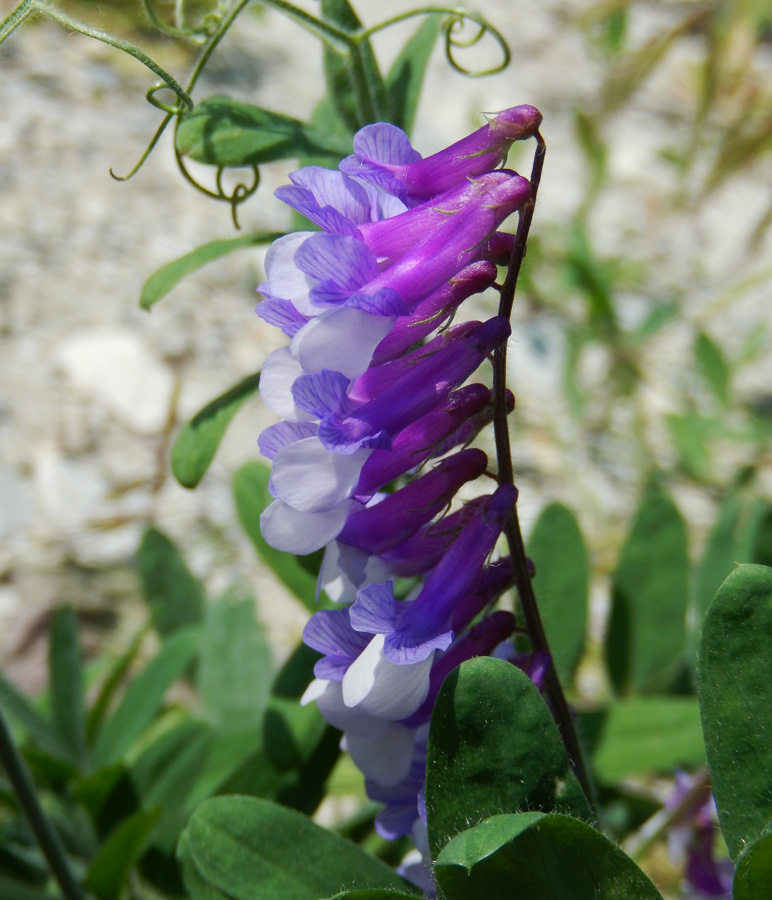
{"type": "Point", "coordinates": [376, 415]}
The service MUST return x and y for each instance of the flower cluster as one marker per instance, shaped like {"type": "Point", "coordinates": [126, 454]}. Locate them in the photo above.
{"type": "Point", "coordinates": [372, 393]}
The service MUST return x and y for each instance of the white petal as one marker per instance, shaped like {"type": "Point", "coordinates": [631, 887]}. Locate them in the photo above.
{"type": "Point", "coordinates": [276, 379]}
{"type": "Point", "coordinates": [288, 529]}
{"type": "Point", "coordinates": [342, 340]}
{"type": "Point", "coordinates": [284, 278]}
{"type": "Point", "coordinates": [309, 477]}
{"type": "Point", "coordinates": [386, 758]}
{"type": "Point", "coordinates": [383, 689]}
{"type": "Point", "coordinates": [352, 721]}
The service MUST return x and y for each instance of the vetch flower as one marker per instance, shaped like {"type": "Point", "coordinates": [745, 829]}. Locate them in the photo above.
{"type": "Point", "coordinates": [376, 416]}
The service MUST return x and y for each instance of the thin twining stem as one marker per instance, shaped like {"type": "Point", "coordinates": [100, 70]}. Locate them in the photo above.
{"type": "Point", "coordinates": [552, 688]}
{"type": "Point", "coordinates": [39, 822]}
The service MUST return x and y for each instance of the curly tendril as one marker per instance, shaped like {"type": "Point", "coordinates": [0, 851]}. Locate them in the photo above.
{"type": "Point", "coordinates": [203, 31]}
{"type": "Point", "coordinates": [456, 21]}
{"type": "Point", "coordinates": [238, 195]}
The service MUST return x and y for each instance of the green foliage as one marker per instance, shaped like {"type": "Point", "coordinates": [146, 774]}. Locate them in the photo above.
{"type": "Point", "coordinates": [250, 490]}
{"type": "Point", "coordinates": [224, 132]}
{"type": "Point", "coordinates": [197, 443]}
{"type": "Point", "coordinates": [175, 596]}
{"type": "Point", "coordinates": [735, 671]}
{"type": "Point", "coordinates": [650, 587]}
{"type": "Point", "coordinates": [557, 549]}
{"type": "Point", "coordinates": [753, 874]}
{"type": "Point", "coordinates": [171, 274]}
{"type": "Point", "coordinates": [248, 849]}
{"type": "Point", "coordinates": [494, 747]}
{"type": "Point", "coordinates": [552, 857]}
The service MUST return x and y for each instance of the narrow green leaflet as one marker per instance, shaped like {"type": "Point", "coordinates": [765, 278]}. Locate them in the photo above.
{"type": "Point", "coordinates": [734, 677]}
{"type": "Point", "coordinates": [712, 365]}
{"type": "Point", "coordinates": [532, 855]}
{"type": "Point", "coordinates": [650, 588]}
{"type": "Point", "coordinates": [753, 873]}
{"type": "Point", "coordinates": [250, 849]}
{"type": "Point", "coordinates": [198, 441]}
{"type": "Point", "coordinates": [144, 697]}
{"type": "Point", "coordinates": [111, 866]}
{"type": "Point", "coordinates": [235, 671]}
{"type": "Point", "coordinates": [557, 549]}
{"type": "Point", "coordinates": [176, 597]}
{"type": "Point", "coordinates": [647, 736]}
{"type": "Point", "coordinates": [113, 680]}
{"type": "Point", "coordinates": [493, 747]}
{"type": "Point", "coordinates": [65, 667]}
{"type": "Point", "coordinates": [250, 490]}
{"type": "Point", "coordinates": [406, 76]}
{"type": "Point", "coordinates": [21, 712]}
{"type": "Point", "coordinates": [171, 274]}
{"type": "Point", "coordinates": [225, 132]}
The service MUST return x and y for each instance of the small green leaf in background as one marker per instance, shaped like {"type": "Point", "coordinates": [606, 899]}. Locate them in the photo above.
{"type": "Point", "coordinates": [176, 598]}
{"type": "Point", "coordinates": [493, 747]}
{"type": "Point", "coordinates": [538, 857]}
{"type": "Point", "coordinates": [225, 132]}
{"type": "Point", "coordinates": [144, 697]}
{"type": "Point", "coordinates": [198, 441]}
{"type": "Point", "coordinates": [250, 490]}
{"type": "Point", "coordinates": [648, 736]}
{"type": "Point", "coordinates": [734, 679]}
{"type": "Point", "coordinates": [558, 552]}
{"type": "Point", "coordinates": [406, 76]}
{"type": "Point", "coordinates": [22, 713]}
{"type": "Point", "coordinates": [712, 365]}
{"type": "Point", "coordinates": [691, 434]}
{"type": "Point", "coordinates": [650, 590]}
{"type": "Point", "coordinates": [171, 274]}
{"type": "Point", "coordinates": [235, 671]}
{"type": "Point", "coordinates": [111, 866]}
{"type": "Point", "coordinates": [250, 849]}
{"type": "Point", "coordinates": [113, 680]}
{"type": "Point", "coordinates": [65, 667]}
{"type": "Point", "coordinates": [753, 874]}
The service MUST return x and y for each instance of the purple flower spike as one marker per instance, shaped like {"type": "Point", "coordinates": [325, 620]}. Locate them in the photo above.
{"type": "Point", "coordinates": [375, 158]}
{"type": "Point", "coordinates": [399, 515]}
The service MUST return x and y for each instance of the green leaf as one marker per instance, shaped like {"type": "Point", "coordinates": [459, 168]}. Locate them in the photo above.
{"type": "Point", "coordinates": [144, 697]}
{"type": "Point", "coordinates": [691, 434]}
{"type": "Point", "coordinates": [734, 678]}
{"type": "Point", "coordinates": [225, 132]}
{"type": "Point", "coordinates": [650, 588]}
{"type": "Point", "coordinates": [406, 76]}
{"type": "Point", "coordinates": [198, 441]}
{"type": "Point", "coordinates": [649, 735]}
{"type": "Point", "coordinates": [250, 489]}
{"type": "Point", "coordinates": [111, 866]}
{"type": "Point", "coordinates": [753, 873]}
{"type": "Point", "coordinates": [712, 365]}
{"type": "Point", "coordinates": [22, 713]}
{"type": "Point", "coordinates": [373, 894]}
{"type": "Point", "coordinates": [176, 598]}
{"type": "Point", "coordinates": [562, 580]}
{"type": "Point", "coordinates": [66, 682]}
{"type": "Point", "coordinates": [761, 548]}
{"type": "Point", "coordinates": [728, 544]}
{"type": "Point", "coordinates": [15, 890]}
{"type": "Point", "coordinates": [115, 677]}
{"type": "Point", "coordinates": [249, 849]}
{"type": "Point", "coordinates": [171, 274]}
{"type": "Point", "coordinates": [235, 671]}
{"type": "Point", "coordinates": [493, 747]}
{"type": "Point", "coordinates": [532, 855]}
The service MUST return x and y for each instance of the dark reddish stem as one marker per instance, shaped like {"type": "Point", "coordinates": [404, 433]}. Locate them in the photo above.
{"type": "Point", "coordinates": [553, 690]}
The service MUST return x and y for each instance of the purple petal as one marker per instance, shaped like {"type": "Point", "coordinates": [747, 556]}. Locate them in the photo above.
{"type": "Point", "coordinates": [375, 610]}
{"type": "Point", "coordinates": [321, 392]}
{"type": "Point", "coordinates": [280, 435]}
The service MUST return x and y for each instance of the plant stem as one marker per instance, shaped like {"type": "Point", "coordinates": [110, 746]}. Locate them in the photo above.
{"type": "Point", "coordinates": [44, 832]}
{"type": "Point", "coordinates": [552, 687]}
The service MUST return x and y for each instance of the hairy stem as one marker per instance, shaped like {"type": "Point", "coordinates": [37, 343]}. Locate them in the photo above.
{"type": "Point", "coordinates": [536, 634]}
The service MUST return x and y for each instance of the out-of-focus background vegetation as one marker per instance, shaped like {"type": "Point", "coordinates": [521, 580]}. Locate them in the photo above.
{"type": "Point", "coordinates": [641, 339]}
